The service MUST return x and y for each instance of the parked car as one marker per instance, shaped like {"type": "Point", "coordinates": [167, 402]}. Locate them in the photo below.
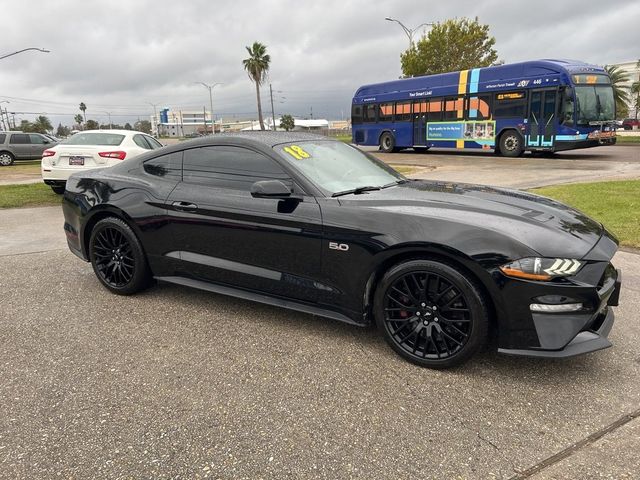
{"type": "Point", "coordinates": [92, 149]}
{"type": "Point", "coordinates": [631, 123]}
{"type": "Point", "coordinates": [312, 224]}
{"type": "Point", "coordinates": [22, 146]}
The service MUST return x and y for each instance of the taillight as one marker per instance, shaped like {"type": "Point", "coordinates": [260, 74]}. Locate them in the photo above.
{"type": "Point", "coordinates": [48, 153]}
{"type": "Point", "coordinates": [119, 155]}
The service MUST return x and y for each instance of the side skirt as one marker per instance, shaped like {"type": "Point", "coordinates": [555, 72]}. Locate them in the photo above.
{"type": "Point", "coordinates": [258, 297]}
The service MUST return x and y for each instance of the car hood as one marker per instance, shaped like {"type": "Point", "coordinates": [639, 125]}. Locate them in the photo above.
{"type": "Point", "coordinates": [548, 227]}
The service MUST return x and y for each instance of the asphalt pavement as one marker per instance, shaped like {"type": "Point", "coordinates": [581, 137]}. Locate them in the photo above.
{"type": "Point", "coordinates": [178, 383]}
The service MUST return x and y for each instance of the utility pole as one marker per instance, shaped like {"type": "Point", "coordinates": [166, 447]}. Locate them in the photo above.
{"type": "Point", "coordinates": [210, 88]}
{"type": "Point", "coordinates": [273, 115]}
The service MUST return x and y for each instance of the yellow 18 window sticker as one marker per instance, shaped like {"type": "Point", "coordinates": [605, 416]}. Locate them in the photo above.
{"type": "Point", "coordinates": [296, 152]}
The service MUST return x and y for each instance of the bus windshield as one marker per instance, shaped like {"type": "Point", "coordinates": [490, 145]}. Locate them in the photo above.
{"type": "Point", "coordinates": [594, 103]}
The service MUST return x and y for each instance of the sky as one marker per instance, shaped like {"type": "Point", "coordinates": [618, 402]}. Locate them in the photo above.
{"type": "Point", "coordinates": [121, 56]}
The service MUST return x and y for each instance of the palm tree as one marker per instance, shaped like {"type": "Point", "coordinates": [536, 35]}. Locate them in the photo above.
{"type": "Point", "coordinates": [257, 66]}
{"type": "Point", "coordinates": [78, 120]}
{"type": "Point", "coordinates": [83, 109]}
{"type": "Point", "coordinates": [619, 79]}
{"type": "Point", "coordinates": [635, 93]}
{"type": "Point", "coordinates": [43, 124]}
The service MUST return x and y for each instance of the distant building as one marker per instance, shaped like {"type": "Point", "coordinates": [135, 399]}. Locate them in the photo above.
{"type": "Point", "coordinates": [178, 123]}
{"type": "Point", "coordinates": [631, 68]}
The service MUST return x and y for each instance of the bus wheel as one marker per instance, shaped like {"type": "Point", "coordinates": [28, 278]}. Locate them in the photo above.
{"type": "Point", "coordinates": [511, 144]}
{"type": "Point", "coordinates": [387, 143]}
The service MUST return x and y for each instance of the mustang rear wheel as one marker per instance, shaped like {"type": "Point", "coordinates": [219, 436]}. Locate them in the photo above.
{"type": "Point", "coordinates": [430, 313]}
{"type": "Point", "coordinates": [117, 257]}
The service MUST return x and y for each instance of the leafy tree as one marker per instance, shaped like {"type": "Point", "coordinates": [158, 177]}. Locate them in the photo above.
{"type": "Point", "coordinates": [143, 126]}
{"type": "Point", "coordinates": [127, 126]}
{"type": "Point", "coordinates": [619, 78]}
{"type": "Point", "coordinates": [42, 124]}
{"type": "Point", "coordinates": [456, 44]}
{"type": "Point", "coordinates": [25, 126]}
{"type": "Point", "coordinates": [287, 122]}
{"type": "Point", "coordinates": [92, 125]}
{"type": "Point", "coordinates": [257, 67]}
{"type": "Point", "coordinates": [78, 120]}
{"type": "Point", "coordinates": [62, 131]}
{"type": "Point", "coordinates": [83, 109]}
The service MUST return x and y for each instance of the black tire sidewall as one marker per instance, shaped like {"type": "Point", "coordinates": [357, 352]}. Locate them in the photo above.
{"type": "Point", "coordinates": [141, 274]}
{"type": "Point", "coordinates": [472, 295]}
{"type": "Point", "coordinates": [511, 153]}
{"type": "Point", "coordinates": [392, 143]}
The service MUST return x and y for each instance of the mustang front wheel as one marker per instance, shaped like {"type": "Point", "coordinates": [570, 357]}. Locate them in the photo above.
{"type": "Point", "coordinates": [430, 313]}
{"type": "Point", "coordinates": [117, 257]}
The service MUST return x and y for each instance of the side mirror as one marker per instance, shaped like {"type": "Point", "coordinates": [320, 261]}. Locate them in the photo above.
{"type": "Point", "coordinates": [270, 189]}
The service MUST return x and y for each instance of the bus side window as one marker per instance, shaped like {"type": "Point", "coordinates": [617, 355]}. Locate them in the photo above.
{"type": "Point", "coordinates": [435, 110]}
{"type": "Point", "coordinates": [385, 112]}
{"type": "Point", "coordinates": [403, 112]}
{"type": "Point", "coordinates": [370, 113]}
{"type": "Point", "coordinates": [480, 107]}
{"type": "Point", "coordinates": [356, 114]}
{"type": "Point", "coordinates": [454, 108]}
{"type": "Point", "coordinates": [509, 104]}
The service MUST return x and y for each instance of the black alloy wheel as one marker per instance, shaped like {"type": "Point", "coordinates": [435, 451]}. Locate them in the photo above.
{"type": "Point", "coordinates": [387, 143]}
{"type": "Point", "coordinates": [511, 144]}
{"type": "Point", "coordinates": [117, 257]}
{"type": "Point", "coordinates": [431, 314]}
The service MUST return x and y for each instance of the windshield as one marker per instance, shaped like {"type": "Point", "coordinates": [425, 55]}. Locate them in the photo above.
{"type": "Point", "coordinates": [88, 138]}
{"type": "Point", "coordinates": [337, 167]}
{"type": "Point", "coordinates": [594, 104]}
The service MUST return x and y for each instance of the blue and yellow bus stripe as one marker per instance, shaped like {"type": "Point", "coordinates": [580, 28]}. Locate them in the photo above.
{"type": "Point", "coordinates": [462, 89]}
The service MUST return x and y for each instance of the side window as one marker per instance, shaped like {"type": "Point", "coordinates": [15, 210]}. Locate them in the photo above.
{"type": "Point", "coordinates": [167, 166]}
{"type": "Point", "coordinates": [233, 168]}
{"type": "Point", "coordinates": [36, 139]}
{"type": "Point", "coordinates": [509, 104]}
{"type": "Point", "coordinates": [370, 113]}
{"type": "Point", "coordinates": [19, 138]}
{"type": "Point", "coordinates": [356, 114]}
{"type": "Point", "coordinates": [403, 112]}
{"type": "Point", "coordinates": [3, 137]}
{"type": "Point", "coordinates": [480, 107]}
{"type": "Point", "coordinates": [434, 109]}
{"type": "Point", "coordinates": [153, 143]}
{"type": "Point", "coordinates": [385, 112]}
{"type": "Point", "coordinates": [454, 108]}
{"type": "Point", "coordinates": [141, 142]}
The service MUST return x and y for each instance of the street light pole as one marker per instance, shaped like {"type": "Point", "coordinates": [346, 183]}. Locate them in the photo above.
{"type": "Point", "coordinates": [409, 31]}
{"type": "Point", "coordinates": [210, 88]}
{"type": "Point", "coordinates": [43, 50]}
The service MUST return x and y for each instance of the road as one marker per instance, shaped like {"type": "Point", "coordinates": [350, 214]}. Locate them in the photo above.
{"type": "Point", "coordinates": [177, 383]}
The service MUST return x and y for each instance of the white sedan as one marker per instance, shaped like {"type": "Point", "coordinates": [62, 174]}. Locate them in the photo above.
{"type": "Point", "coordinates": [92, 149]}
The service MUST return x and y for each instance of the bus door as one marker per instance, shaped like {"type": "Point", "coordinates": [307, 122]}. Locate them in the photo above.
{"type": "Point", "coordinates": [419, 123]}
{"type": "Point", "coordinates": [542, 118]}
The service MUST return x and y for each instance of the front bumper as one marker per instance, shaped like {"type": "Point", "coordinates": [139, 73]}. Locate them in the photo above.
{"type": "Point", "coordinates": [568, 335]}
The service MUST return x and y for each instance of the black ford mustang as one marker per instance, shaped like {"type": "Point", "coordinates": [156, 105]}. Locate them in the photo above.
{"type": "Point", "coordinates": [314, 225]}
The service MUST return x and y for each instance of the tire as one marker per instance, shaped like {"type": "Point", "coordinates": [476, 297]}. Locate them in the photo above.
{"type": "Point", "coordinates": [387, 142]}
{"type": "Point", "coordinates": [421, 149]}
{"type": "Point", "coordinates": [117, 257]}
{"type": "Point", "coordinates": [511, 144]}
{"type": "Point", "coordinates": [6, 159]}
{"type": "Point", "coordinates": [439, 326]}
{"type": "Point", "coordinates": [59, 189]}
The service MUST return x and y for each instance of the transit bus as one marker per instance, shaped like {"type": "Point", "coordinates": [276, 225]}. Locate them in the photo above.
{"type": "Point", "coordinates": [544, 105]}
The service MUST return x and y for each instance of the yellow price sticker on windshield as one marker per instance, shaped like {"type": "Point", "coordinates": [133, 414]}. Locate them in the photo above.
{"type": "Point", "coordinates": [296, 152]}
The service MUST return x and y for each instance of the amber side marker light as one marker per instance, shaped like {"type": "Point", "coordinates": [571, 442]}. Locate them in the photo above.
{"type": "Point", "coordinates": [512, 272]}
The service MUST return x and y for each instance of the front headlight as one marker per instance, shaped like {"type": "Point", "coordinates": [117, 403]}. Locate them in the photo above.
{"type": "Point", "coordinates": [536, 268]}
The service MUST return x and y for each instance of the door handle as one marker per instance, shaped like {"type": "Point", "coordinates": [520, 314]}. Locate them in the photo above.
{"type": "Point", "coordinates": [185, 206]}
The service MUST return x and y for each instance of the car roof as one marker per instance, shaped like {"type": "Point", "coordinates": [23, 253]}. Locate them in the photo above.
{"type": "Point", "coordinates": [118, 132]}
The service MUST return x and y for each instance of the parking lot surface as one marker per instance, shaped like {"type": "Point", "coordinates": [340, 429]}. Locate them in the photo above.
{"type": "Point", "coordinates": [178, 383]}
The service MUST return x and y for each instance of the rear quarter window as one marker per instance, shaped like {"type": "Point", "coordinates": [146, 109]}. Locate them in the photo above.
{"type": "Point", "coordinates": [3, 137]}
